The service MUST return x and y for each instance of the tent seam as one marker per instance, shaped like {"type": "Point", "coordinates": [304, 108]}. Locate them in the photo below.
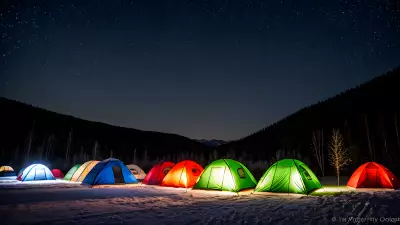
{"type": "Point", "coordinates": [231, 174]}
{"type": "Point", "coordinates": [305, 188]}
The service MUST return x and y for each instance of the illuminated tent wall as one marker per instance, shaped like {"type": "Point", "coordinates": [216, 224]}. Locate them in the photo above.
{"type": "Point", "coordinates": [183, 174]}
{"type": "Point", "coordinates": [71, 172]}
{"type": "Point", "coordinates": [83, 170]}
{"type": "Point", "coordinates": [7, 171]}
{"type": "Point", "coordinates": [373, 175]}
{"type": "Point", "coordinates": [109, 171]}
{"type": "Point", "coordinates": [36, 172]}
{"type": "Point", "coordinates": [57, 173]}
{"type": "Point", "coordinates": [157, 173]}
{"type": "Point", "coordinates": [136, 171]}
{"type": "Point", "coordinates": [226, 175]}
{"type": "Point", "coordinates": [288, 175]}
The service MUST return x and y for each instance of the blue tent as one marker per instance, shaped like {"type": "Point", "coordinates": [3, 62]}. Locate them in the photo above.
{"type": "Point", "coordinates": [36, 172]}
{"type": "Point", "coordinates": [109, 171]}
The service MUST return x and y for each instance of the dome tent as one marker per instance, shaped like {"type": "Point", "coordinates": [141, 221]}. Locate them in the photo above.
{"type": "Point", "coordinates": [157, 173]}
{"type": "Point", "coordinates": [136, 171]}
{"type": "Point", "coordinates": [83, 170]}
{"type": "Point", "coordinates": [36, 172]}
{"type": "Point", "coordinates": [183, 174]}
{"type": "Point", "coordinates": [226, 175]}
{"type": "Point", "coordinates": [109, 171]}
{"type": "Point", "coordinates": [288, 176]}
{"type": "Point", "coordinates": [373, 175]}
{"type": "Point", "coordinates": [7, 171]}
{"type": "Point", "coordinates": [57, 173]}
{"type": "Point", "coordinates": [71, 172]}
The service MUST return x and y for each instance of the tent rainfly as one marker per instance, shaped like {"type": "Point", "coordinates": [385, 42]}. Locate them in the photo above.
{"type": "Point", "coordinates": [71, 172]}
{"type": "Point", "coordinates": [136, 171]}
{"type": "Point", "coordinates": [36, 172]}
{"type": "Point", "coordinates": [183, 174]}
{"type": "Point", "coordinates": [288, 176]}
{"type": "Point", "coordinates": [83, 170]}
{"type": "Point", "coordinates": [57, 173]}
{"type": "Point", "coordinates": [373, 175]}
{"type": "Point", "coordinates": [109, 171]}
{"type": "Point", "coordinates": [226, 175]}
{"type": "Point", "coordinates": [157, 173]}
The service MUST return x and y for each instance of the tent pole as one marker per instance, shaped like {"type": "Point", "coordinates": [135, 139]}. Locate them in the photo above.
{"type": "Point", "coordinates": [290, 173]}
{"type": "Point", "coordinates": [223, 177]}
{"type": "Point", "coordinates": [276, 167]}
{"type": "Point", "coordinates": [180, 177]}
{"type": "Point", "coordinates": [301, 176]}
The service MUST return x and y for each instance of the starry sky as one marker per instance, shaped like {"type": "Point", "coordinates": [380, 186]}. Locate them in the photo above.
{"type": "Point", "coordinates": [199, 68]}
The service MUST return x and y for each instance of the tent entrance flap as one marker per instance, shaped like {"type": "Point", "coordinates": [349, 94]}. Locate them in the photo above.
{"type": "Point", "coordinates": [216, 178]}
{"type": "Point", "coordinates": [118, 177]}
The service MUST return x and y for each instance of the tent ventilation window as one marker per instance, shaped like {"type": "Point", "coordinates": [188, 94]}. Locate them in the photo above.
{"type": "Point", "coordinates": [306, 174]}
{"type": "Point", "coordinates": [166, 170]}
{"type": "Point", "coordinates": [133, 171]}
{"type": "Point", "coordinates": [241, 173]}
{"type": "Point", "coordinates": [194, 171]}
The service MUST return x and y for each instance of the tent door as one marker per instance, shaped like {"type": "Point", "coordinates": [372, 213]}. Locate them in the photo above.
{"type": "Point", "coordinates": [118, 177]}
{"type": "Point", "coordinates": [40, 174]}
{"type": "Point", "coordinates": [216, 178]}
{"type": "Point", "coordinates": [372, 179]}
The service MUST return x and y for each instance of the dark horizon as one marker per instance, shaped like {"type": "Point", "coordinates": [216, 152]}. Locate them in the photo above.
{"type": "Point", "coordinates": [203, 70]}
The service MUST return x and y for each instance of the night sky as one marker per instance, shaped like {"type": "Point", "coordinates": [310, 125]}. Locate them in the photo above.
{"type": "Point", "coordinates": [203, 69]}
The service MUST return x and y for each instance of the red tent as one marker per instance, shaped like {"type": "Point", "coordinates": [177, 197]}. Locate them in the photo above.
{"type": "Point", "coordinates": [157, 173]}
{"type": "Point", "coordinates": [183, 174]}
{"type": "Point", "coordinates": [373, 175]}
{"type": "Point", "coordinates": [57, 173]}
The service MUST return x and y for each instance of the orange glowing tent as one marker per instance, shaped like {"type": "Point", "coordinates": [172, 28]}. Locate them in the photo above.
{"type": "Point", "coordinates": [183, 174]}
{"type": "Point", "coordinates": [373, 175]}
{"type": "Point", "coordinates": [157, 173]}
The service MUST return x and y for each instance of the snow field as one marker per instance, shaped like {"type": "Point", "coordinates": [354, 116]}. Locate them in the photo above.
{"type": "Point", "coordinates": [70, 203]}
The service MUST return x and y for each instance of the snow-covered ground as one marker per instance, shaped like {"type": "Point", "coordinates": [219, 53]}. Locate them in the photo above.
{"type": "Point", "coordinates": [60, 202]}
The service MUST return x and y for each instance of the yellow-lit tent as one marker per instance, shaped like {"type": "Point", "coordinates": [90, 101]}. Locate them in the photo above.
{"type": "Point", "coordinates": [83, 170]}
{"type": "Point", "coordinates": [6, 168]}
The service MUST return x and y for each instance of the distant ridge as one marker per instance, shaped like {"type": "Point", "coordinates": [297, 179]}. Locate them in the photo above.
{"type": "Point", "coordinates": [212, 142]}
{"type": "Point", "coordinates": [50, 133]}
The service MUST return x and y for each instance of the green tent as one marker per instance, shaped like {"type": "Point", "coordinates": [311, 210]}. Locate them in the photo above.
{"type": "Point", "coordinates": [288, 175]}
{"type": "Point", "coordinates": [71, 172]}
{"type": "Point", "coordinates": [226, 175]}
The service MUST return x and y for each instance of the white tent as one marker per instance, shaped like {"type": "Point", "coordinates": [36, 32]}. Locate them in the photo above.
{"type": "Point", "coordinates": [137, 172]}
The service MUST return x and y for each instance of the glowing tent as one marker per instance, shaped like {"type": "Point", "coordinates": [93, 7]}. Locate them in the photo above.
{"type": "Point", "coordinates": [71, 172]}
{"type": "Point", "coordinates": [226, 175]}
{"type": "Point", "coordinates": [109, 171]}
{"type": "Point", "coordinates": [36, 172]}
{"type": "Point", "coordinates": [373, 175]}
{"type": "Point", "coordinates": [136, 171]}
{"type": "Point", "coordinates": [157, 173]}
{"type": "Point", "coordinates": [7, 171]}
{"type": "Point", "coordinates": [83, 170]}
{"type": "Point", "coordinates": [57, 173]}
{"type": "Point", "coordinates": [183, 174]}
{"type": "Point", "coordinates": [288, 175]}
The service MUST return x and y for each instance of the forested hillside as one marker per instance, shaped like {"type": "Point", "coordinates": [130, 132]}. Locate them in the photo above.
{"type": "Point", "coordinates": [368, 116]}
{"type": "Point", "coordinates": [32, 134]}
